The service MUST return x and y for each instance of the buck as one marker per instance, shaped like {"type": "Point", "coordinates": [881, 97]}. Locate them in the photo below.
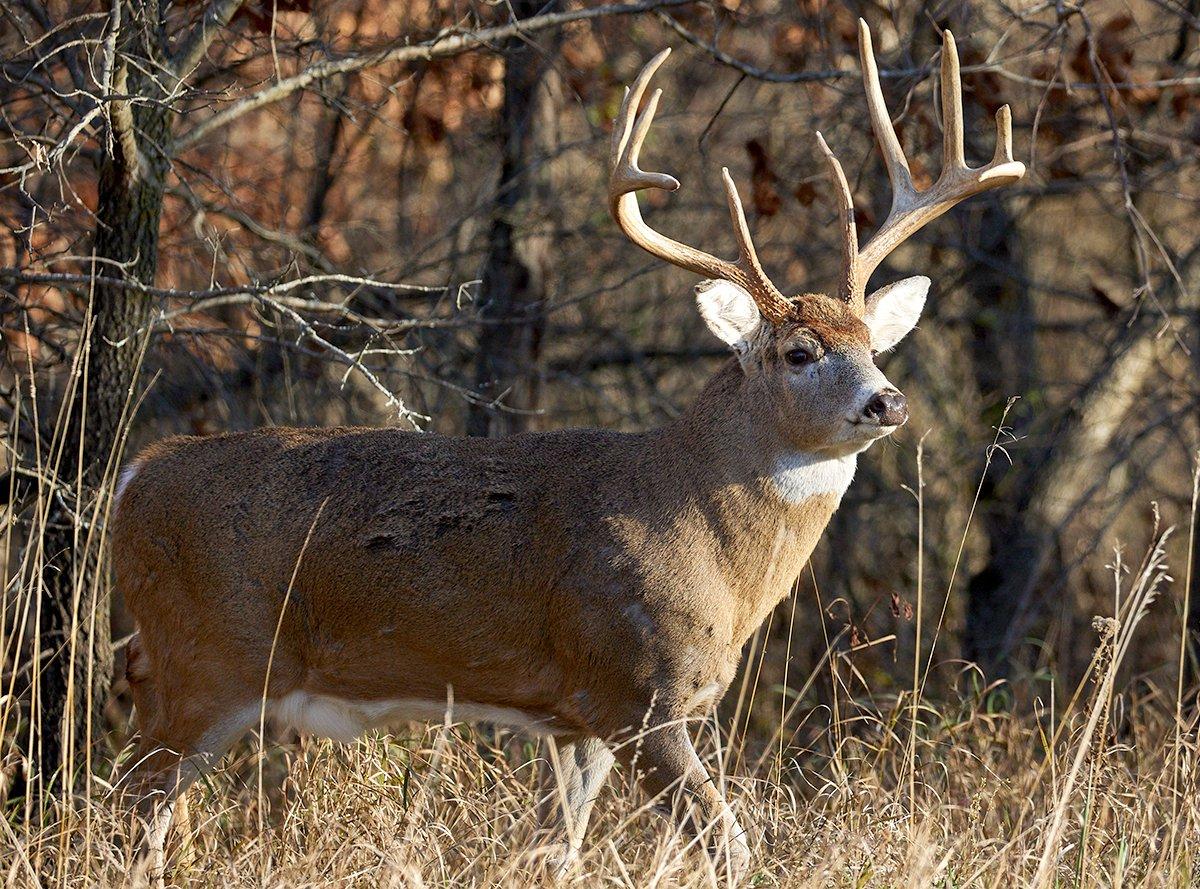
{"type": "Point", "coordinates": [586, 585]}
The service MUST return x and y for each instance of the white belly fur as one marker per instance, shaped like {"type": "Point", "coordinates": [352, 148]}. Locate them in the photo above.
{"type": "Point", "coordinates": [344, 720]}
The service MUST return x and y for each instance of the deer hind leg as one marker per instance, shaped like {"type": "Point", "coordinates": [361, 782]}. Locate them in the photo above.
{"type": "Point", "coordinates": [666, 762]}
{"type": "Point", "coordinates": [572, 776]}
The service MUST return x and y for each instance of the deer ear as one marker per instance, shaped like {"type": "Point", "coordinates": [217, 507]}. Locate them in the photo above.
{"type": "Point", "coordinates": [893, 310]}
{"type": "Point", "coordinates": [730, 313]}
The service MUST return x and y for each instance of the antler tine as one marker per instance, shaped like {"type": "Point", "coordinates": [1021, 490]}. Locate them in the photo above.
{"type": "Point", "coordinates": [953, 158]}
{"type": "Point", "coordinates": [629, 132]}
{"type": "Point", "coordinates": [1003, 153]}
{"type": "Point", "coordinates": [747, 255]}
{"type": "Point", "coordinates": [626, 178]}
{"type": "Point", "coordinates": [881, 122]}
{"type": "Point", "coordinates": [847, 285]}
{"type": "Point", "coordinates": [912, 209]}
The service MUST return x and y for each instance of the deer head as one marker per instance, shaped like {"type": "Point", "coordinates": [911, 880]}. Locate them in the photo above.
{"type": "Point", "coordinates": [812, 355]}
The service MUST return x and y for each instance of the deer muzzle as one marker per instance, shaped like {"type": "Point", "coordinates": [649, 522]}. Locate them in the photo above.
{"type": "Point", "coordinates": [887, 408]}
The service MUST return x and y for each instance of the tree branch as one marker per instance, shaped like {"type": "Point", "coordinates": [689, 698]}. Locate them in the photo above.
{"type": "Point", "coordinates": [770, 76]}
{"type": "Point", "coordinates": [216, 16]}
{"type": "Point", "coordinates": [21, 276]}
{"type": "Point", "coordinates": [440, 47]}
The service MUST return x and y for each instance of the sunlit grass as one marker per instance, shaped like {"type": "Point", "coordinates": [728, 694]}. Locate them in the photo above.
{"type": "Point", "coordinates": [1091, 789]}
{"type": "Point", "coordinates": [837, 784]}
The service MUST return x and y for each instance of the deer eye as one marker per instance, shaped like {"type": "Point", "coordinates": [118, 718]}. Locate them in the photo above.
{"type": "Point", "coordinates": [800, 356]}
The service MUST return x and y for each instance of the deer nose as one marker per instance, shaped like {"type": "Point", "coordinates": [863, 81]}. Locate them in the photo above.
{"type": "Point", "coordinates": [888, 408]}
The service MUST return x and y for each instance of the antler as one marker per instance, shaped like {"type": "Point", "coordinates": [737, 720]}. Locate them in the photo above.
{"type": "Point", "coordinates": [912, 209]}
{"type": "Point", "coordinates": [626, 178]}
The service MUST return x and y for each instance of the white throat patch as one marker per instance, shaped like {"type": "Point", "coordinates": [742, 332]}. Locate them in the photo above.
{"type": "Point", "coordinates": [799, 476]}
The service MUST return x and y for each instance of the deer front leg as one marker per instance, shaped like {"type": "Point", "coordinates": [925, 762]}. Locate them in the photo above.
{"type": "Point", "coordinates": [665, 761]}
{"type": "Point", "coordinates": [573, 774]}
{"type": "Point", "coordinates": [159, 777]}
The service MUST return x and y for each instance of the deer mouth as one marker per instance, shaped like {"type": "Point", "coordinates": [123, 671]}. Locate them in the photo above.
{"type": "Point", "coordinates": [863, 432]}
{"type": "Point", "coordinates": [873, 427]}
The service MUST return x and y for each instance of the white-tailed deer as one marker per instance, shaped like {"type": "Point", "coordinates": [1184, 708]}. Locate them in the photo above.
{"type": "Point", "coordinates": [582, 584]}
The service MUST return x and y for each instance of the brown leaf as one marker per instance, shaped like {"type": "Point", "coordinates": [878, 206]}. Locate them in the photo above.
{"type": "Point", "coordinates": [856, 636]}
{"type": "Point", "coordinates": [1183, 102]}
{"type": "Point", "coordinates": [921, 176]}
{"type": "Point", "coordinates": [805, 193]}
{"type": "Point", "coordinates": [1118, 24]}
{"type": "Point", "coordinates": [1114, 58]}
{"type": "Point", "coordinates": [793, 42]}
{"type": "Point", "coordinates": [901, 608]}
{"type": "Point", "coordinates": [986, 86]}
{"type": "Point", "coordinates": [261, 14]}
{"type": "Point", "coordinates": [764, 194]}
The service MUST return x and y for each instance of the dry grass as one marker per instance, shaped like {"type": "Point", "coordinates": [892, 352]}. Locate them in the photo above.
{"type": "Point", "coordinates": [1094, 788]}
{"type": "Point", "coordinates": [836, 785]}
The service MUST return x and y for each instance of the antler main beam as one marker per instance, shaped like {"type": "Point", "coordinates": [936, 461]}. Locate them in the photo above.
{"type": "Point", "coordinates": [912, 209]}
{"type": "Point", "coordinates": [626, 178]}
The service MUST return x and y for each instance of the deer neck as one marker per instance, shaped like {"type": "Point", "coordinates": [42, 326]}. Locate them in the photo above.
{"type": "Point", "coordinates": [762, 502]}
{"type": "Point", "coordinates": [732, 442]}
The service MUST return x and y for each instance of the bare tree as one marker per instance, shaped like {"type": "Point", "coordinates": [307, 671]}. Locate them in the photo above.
{"type": "Point", "coordinates": [512, 292]}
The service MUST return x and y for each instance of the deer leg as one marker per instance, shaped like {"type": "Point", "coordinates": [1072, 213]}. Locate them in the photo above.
{"type": "Point", "coordinates": [167, 761]}
{"type": "Point", "coordinates": [572, 776]}
{"type": "Point", "coordinates": [159, 775]}
{"type": "Point", "coordinates": [669, 769]}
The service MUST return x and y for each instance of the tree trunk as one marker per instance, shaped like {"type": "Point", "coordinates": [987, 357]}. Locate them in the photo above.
{"type": "Point", "coordinates": [1003, 355]}
{"type": "Point", "coordinates": [1001, 602]}
{"type": "Point", "coordinates": [1191, 665]}
{"type": "Point", "coordinates": [513, 288]}
{"type": "Point", "coordinates": [1192, 661]}
{"type": "Point", "coordinates": [74, 632]}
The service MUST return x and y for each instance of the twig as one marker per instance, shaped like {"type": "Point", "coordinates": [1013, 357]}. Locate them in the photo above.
{"type": "Point", "coordinates": [768, 75]}
{"type": "Point", "coordinates": [440, 47]}
{"type": "Point", "coordinates": [20, 276]}
{"type": "Point", "coordinates": [216, 16]}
